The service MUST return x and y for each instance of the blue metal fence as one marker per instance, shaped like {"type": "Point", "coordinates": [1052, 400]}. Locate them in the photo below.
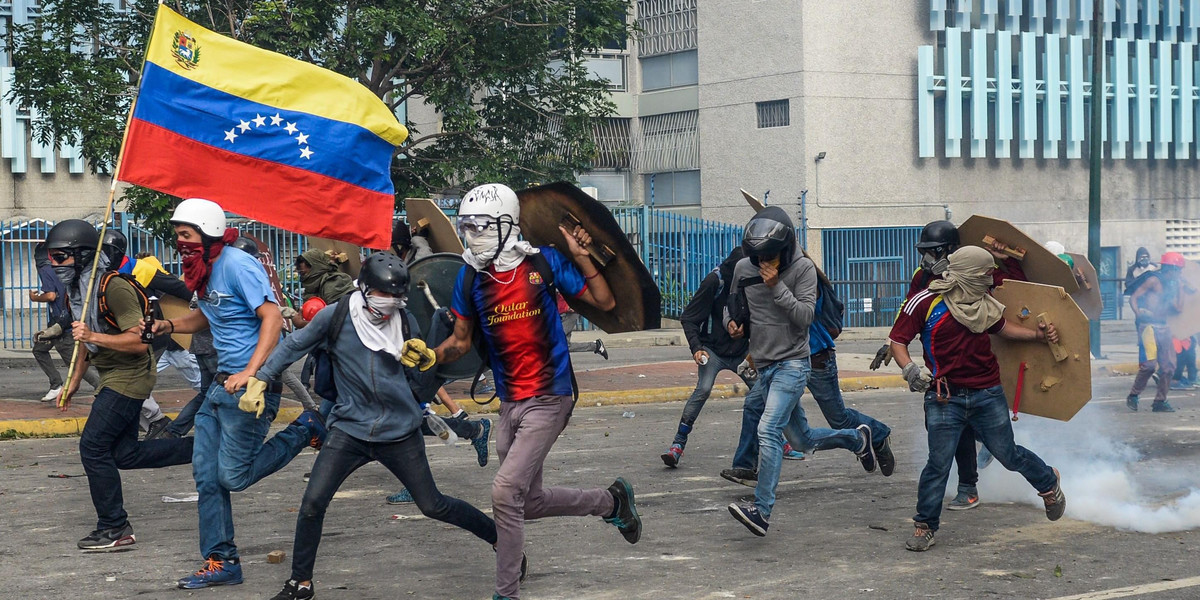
{"type": "Point", "coordinates": [870, 269]}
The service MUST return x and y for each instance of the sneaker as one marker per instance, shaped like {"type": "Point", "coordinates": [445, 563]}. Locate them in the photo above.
{"type": "Point", "coordinates": [52, 395]}
{"type": "Point", "coordinates": [108, 539]}
{"type": "Point", "coordinates": [480, 442]}
{"type": "Point", "coordinates": [292, 590]}
{"type": "Point", "coordinates": [625, 515]}
{"type": "Point", "coordinates": [499, 597]}
{"type": "Point", "coordinates": [1056, 502]}
{"type": "Point", "coordinates": [307, 476]}
{"type": "Point", "coordinates": [157, 428]}
{"type": "Point", "coordinates": [746, 477]}
{"type": "Point", "coordinates": [747, 514]}
{"type": "Point", "coordinates": [214, 572]}
{"type": "Point", "coordinates": [867, 455]}
{"type": "Point", "coordinates": [601, 350]}
{"type": "Point", "coordinates": [672, 455]}
{"type": "Point", "coordinates": [1132, 402]}
{"type": "Point", "coordinates": [885, 458]}
{"type": "Point", "coordinates": [1179, 385]}
{"type": "Point", "coordinates": [921, 540]}
{"type": "Point", "coordinates": [315, 423]}
{"type": "Point", "coordinates": [963, 501]}
{"type": "Point", "coordinates": [401, 497]}
{"type": "Point", "coordinates": [791, 454]}
{"type": "Point", "coordinates": [1163, 406]}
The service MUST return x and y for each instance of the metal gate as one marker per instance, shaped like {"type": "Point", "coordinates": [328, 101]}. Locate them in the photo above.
{"type": "Point", "coordinates": [871, 269]}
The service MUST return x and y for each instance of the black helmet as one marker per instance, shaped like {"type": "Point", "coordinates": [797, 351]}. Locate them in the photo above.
{"type": "Point", "coordinates": [939, 233]}
{"type": "Point", "coordinates": [246, 245]}
{"type": "Point", "coordinates": [114, 245]}
{"type": "Point", "coordinates": [385, 272]}
{"type": "Point", "coordinates": [75, 236]}
{"type": "Point", "coordinates": [401, 236]}
{"type": "Point", "coordinates": [770, 233]}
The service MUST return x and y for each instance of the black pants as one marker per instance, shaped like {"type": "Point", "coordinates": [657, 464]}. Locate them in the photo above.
{"type": "Point", "coordinates": [340, 456]}
{"type": "Point", "coordinates": [964, 455]}
{"type": "Point", "coordinates": [109, 442]}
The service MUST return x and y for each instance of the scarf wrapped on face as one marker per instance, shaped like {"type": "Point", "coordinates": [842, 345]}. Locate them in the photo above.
{"type": "Point", "coordinates": [324, 280]}
{"type": "Point", "coordinates": [964, 288]}
{"type": "Point", "coordinates": [75, 279]}
{"type": "Point", "coordinates": [198, 259]}
{"type": "Point", "coordinates": [481, 248]}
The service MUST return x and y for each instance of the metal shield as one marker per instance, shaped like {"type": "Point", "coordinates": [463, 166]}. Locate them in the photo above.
{"type": "Point", "coordinates": [1058, 380]}
{"type": "Point", "coordinates": [1039, 264]}
{"type": "Point", "coordinates": [1187, 322]}
{"type": "Point", "coordinates": [639, 303]}
{"type": "Point", "coordinates": [424, 213]}
{"type": "Point", "coordinates": [1088, 295]}
{"type": "Point", "coordinates": [431, 286]}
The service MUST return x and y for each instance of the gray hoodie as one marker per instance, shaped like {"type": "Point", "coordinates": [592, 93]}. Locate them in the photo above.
{"type": "Point", "coordinates": [779, 316]}
{"type": "Point", "coordinates": [375, 401]}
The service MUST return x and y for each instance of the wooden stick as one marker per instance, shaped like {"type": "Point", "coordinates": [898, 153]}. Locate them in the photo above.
{"type": "Point", "coordinates": [1013, 251]}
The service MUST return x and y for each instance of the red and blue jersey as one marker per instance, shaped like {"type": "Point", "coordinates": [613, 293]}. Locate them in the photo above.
{"type": "Point", "coordinates": [950, 349]}
{"type": "Point", "coordinates": [518, 315]}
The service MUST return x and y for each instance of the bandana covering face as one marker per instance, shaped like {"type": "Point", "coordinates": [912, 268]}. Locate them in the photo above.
{"type": "Point", "coordinates": [964, 287]}
{"type": "Point", "coordinates": [75, 289]}
{"type": "Point", "coordinates": [198, 261]}
{"type": "Point", "coordinates": [481, 247]}
{"type": "Point", "coordinates": [377, 332]}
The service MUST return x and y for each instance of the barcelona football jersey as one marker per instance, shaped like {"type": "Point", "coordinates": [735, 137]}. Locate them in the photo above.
{"type": "Point", "coordinates": [519, 318]}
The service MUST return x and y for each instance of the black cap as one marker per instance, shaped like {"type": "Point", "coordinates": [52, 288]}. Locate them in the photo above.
{"type": "Point", "coordinates": [246, 245]}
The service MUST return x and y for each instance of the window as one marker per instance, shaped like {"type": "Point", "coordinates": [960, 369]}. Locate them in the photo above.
{"type": "Point", "coordinates": [773, 114]}
{"type": "Point", "coordinates": [670, 70]}
{"type": "Point", "coordinates": [610, 187]}
{"type": "Point", "coordinates": [681, 188]}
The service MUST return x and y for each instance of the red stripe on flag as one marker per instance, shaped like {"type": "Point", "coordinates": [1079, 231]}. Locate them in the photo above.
{"type": "Point", "coordinates": [276, 194]}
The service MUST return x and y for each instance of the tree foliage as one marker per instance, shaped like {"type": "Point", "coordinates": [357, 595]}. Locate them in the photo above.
{"type": "Point", "coordinates": [507, 78]}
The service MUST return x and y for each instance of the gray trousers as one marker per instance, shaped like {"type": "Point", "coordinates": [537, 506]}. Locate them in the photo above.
{"type": "Point", "coordinates": [62, 345]}
{"type": "Point", "coordinates": [570, 321]}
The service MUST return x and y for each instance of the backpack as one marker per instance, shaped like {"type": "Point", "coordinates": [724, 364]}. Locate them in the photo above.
{"type": "Point", "coordinates": [542, 266]}
{"type": "Point", "coordinates": [832, 313]}
{"type": "Point", "coordinates": [102, 306]}
{"type": "Point", "coordinates": [324, 357]}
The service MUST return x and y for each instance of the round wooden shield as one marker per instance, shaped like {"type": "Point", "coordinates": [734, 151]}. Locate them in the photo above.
{"type": "Point", "coordinates": [1057, 381]}
{"type": "Point", "coordinates": [431, 286]}
{"type": "Point", "coordinates": [1039, 264]}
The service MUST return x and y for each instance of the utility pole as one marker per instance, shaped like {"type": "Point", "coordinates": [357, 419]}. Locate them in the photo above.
{"type": "Point", "coordinates": [1095, 151]}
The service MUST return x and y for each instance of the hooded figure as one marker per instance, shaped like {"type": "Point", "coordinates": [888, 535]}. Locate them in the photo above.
{"type": "Point", "coordinates": [964, 287]}
{"type": "Point", "coordinates": [323, 279]}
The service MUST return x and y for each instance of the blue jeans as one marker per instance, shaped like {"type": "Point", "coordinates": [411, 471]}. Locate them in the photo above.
{"type": "Point", "coordinates": [109, 443]}
{"type": "Point", "coordinates": [780, 385]}
{"type": "Point", "coordinates": [343, 454]}
{"type": "Point", "coordinates": [823, 385]}
{"type": "Point", "coordinates": [706, 377]}
{"type": "Point", "coordinates": [184, 420]}
{"type": "Point", "coordinates": [986, 411]}
{"type": "Point", "coordinates": [230, 456]}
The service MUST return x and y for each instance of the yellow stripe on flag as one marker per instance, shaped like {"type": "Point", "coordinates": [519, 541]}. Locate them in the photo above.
{"type": "Point", "coordinates": [257, 75]}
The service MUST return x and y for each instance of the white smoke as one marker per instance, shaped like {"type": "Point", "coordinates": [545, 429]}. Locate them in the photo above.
{"type": "Point", "coordinates": [1106, 480]}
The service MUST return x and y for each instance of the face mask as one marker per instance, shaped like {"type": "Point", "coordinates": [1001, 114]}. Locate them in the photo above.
{"type": "Point", "coordinates": [66, 274]}
{"type": "Point", "coordinates": [1143, 261]}
{"type": "Point", "coordinates": [934, 265]}
{"type": "Point", "coordinates": [483, 244]}
{"type": "Point", "coordinates": [382, 308]}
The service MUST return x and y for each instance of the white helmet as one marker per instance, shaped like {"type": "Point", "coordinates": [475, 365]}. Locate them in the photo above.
{"type": "Point", "coordinates": [205, 215]}
{"type": "Point", "coordinates": [1055, 248]}
{"type": "Point", "coordinates": [491, 200]}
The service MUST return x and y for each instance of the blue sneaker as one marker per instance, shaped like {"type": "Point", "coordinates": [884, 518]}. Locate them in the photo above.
{"type": "Point", "coordinates": [401, 497]}
{"type": "Point", "coordinates": [747, 514]}
{"type": "Point", "coordinates": [480, 442]}
{"type": "Point", "coordinates": [790, 454]}
{"type": "Point", "coordinates": [215, 572]}
{"type": "Point", "coordinates": [625, 515]}
{"type": "Point", "coordinates": [315, 423]}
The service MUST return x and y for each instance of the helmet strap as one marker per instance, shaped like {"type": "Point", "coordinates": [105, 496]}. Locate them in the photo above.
{"type": "Point", "coordinates": [503, 235]}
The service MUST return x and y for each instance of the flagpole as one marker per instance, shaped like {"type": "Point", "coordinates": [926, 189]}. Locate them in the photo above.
{"type": "Point", "coordinates": [108, 211]}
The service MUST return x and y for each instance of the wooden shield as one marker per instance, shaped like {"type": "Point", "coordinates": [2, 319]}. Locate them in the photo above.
{"type": "Point", "coordinates": [1057, 380]}
{"type": "Point", "coordinates": [1039, 264]}
{"type": "Point", "coordinates": [1187, 322]}
{"type": "Point", "coordinates": [174, 308]}
{"type": "Point", "coordinates": [424, 213]}
{"type": "Point", "coordinates": [268, 262]}
{"type": "Point", "coordinates": [639, 304]}
{"type": "Point", "coordinates": [350, 267]}
{"type": "Point", "coordinates": [1088, 295]}
{"type": "Point", "coordinates": [754, 203]}
{"type": "Point", "coordinates": [431, 286]}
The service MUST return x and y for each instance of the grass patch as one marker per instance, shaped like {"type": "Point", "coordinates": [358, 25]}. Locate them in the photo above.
{"type": "Point", "coordinates": [13, 434]}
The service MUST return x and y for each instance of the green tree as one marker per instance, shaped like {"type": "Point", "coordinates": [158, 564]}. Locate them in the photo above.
{"type": "Point", "coordinates": [508, 78]}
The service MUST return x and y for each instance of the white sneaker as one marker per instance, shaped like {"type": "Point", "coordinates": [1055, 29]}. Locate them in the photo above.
{"type": "Point", "coordinates": [52, 394]}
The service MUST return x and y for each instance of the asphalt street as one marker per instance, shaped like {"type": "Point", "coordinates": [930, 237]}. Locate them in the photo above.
{"type": "Point", "coordinates": [837, 532]}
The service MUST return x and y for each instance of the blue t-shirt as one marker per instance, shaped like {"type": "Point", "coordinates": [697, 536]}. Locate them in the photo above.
{"type": "Point", "coordinates": [519, 318]}
{"type": "Point", "coordinates": [237, 287]}
{"type": "Point", "coordinates": [60, 311]}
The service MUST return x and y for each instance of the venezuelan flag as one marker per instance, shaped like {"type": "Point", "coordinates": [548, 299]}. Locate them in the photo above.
{"type": "Point", "coordinates": [263, 135]}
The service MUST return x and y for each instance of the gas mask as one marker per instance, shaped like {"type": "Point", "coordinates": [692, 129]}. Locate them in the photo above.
{"type": "Point", "coordinates": [935, 260]}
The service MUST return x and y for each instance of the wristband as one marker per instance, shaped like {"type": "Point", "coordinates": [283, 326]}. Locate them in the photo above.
{"type": "Point", "coordinates": [172, 324]}
{"type": "Point", "coordinates": [592, 276]}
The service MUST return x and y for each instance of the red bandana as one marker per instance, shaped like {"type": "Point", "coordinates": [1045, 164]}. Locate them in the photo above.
{"type": "Point", "coordinates": [197, 264]}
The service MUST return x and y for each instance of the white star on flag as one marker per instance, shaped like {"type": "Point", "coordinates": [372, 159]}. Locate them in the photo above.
{"type": "Point", "coordinates": [244, 126]}
{"type": "Point", "coordinates": [305, 153]}
{"type": "Point", "coordinates": [275, 120]}
{"type": "Point", "coordinates": [291, 128]}
{"type": "Point", "coordinates": [259, 120]}
{"type": "Point", "coordinates": [230, 135]}
{"type": "Point", "coordinates": [302, 138]}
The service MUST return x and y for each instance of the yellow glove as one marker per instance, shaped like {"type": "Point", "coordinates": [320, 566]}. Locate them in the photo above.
{"type": "Point", "coordinates": [417, 354]}
{"type": "Point", "coordinates": [253, 400]}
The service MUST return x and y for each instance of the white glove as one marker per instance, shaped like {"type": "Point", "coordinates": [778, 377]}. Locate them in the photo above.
{"type": "Point", "coordinates": [916, 381]}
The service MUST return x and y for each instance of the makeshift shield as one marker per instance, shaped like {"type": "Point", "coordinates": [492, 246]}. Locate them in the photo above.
{"type": "Point", "coordinates": [1039, 264]}
{"type": "Point", "coordinates": [268, 263]}
{"type": "Point", "coordinates": [1088, 295]}
{"type": "Point", "coordinates": [754, 203]}
{"type": "Point", "coordinates": [1187, 322]}
{"type": "Point", "coordinates": [1039, 378]}
{"type": "Point", "coordinates": [424, 214]}
{"type": "Point", "coordinates": [352, 252]}
{"type": "Point", "coordinates": [430, 287]}
{"type": "Point", "coordinates": [545, 207]}
{"type": "Point", "coordinates": [174, 308]}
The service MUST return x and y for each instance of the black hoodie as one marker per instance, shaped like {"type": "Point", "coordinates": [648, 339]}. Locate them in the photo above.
{"type": "Point", "coordinates": [703, 316]}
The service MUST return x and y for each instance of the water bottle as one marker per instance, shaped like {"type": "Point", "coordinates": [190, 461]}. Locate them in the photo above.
{"type": "Point", "coordinates": [148, 321]}
{"type": "Point", "coordinates": [440, 429]}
